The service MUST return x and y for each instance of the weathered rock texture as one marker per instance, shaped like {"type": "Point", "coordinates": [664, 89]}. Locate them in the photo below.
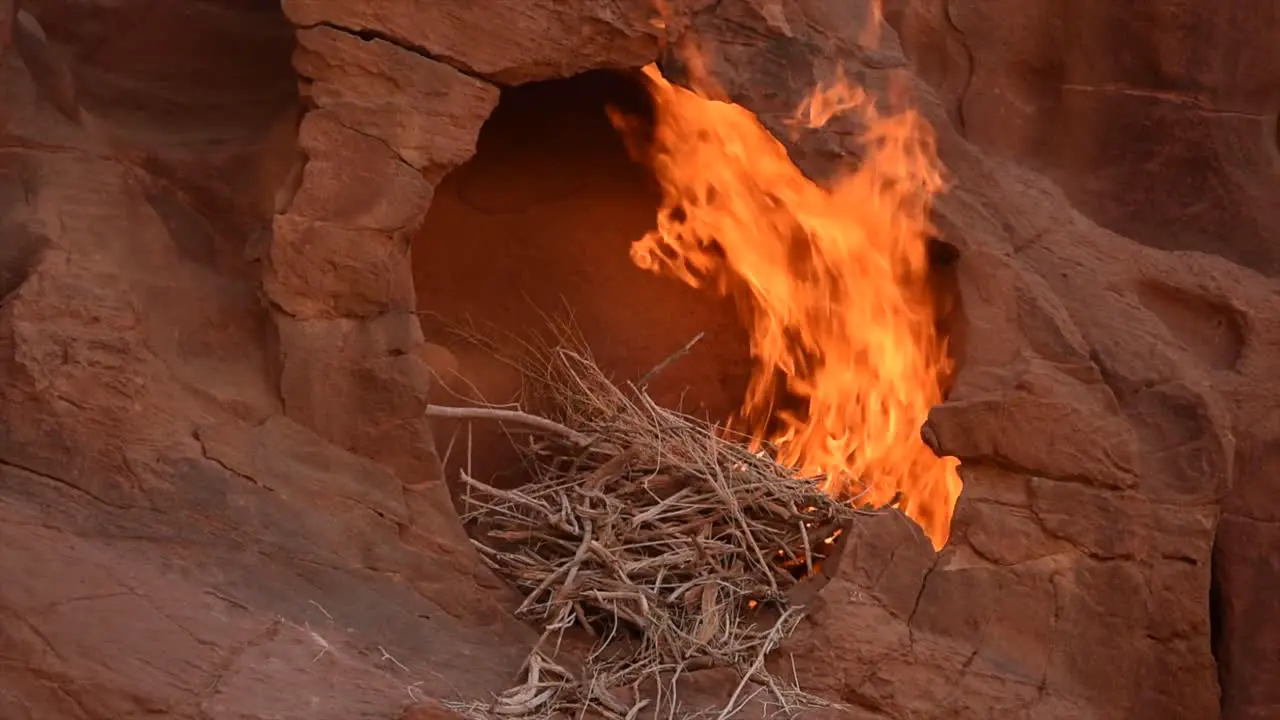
{"type": "Point", "coordinates": [220, 499]}
{"type": "Point", "coordinates": [191, 528]}
{"type": "Point", "coordinates": [1158, 119]}
{"type": "Point", "coordinates": [1161, 121]}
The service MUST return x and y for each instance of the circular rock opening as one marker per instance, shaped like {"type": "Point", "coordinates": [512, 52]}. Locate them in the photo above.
{"type": "Point", "coordinates": [539, 223]}
{"type": "Point", "coordinates": [645, 532]}
{"type": "Point", "coordinates": [543, 223]}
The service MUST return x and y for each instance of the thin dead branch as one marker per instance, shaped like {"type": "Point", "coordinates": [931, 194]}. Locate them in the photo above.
{"type": "Point", "coordinates": [533, 422]}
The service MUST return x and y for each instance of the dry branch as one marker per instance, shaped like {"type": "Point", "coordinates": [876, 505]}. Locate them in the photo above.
{"type": "Point", "coordinates": [672, 545]}
{"type": "Point", "coordinates": [510, 416]}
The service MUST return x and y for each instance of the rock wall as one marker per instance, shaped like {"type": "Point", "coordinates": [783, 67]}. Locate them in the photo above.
{"type": "Point", "coordinates": [249, 492]}
{"type": "Point", "coordinates": [1094, 414]}
{"type": "Point", "coordinates": [1158, 119]}
{"type": "Point", "coordinates": [1115, 495]}
{"type": "Point", "coordinates": [1160, 122]}
{"type": "Point", "coordinates": [177, 536]}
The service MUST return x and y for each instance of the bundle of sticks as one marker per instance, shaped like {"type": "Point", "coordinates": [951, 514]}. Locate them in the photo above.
{"type": "Point", "coordinates": [674, 547]}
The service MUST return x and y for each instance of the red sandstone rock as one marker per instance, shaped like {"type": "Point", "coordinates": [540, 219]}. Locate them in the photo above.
{"type": "Point", "coordinates": [216, 509]}
{"type": "Point", "coordinates": [1158, 119]}
{"type": "Point", "coordinates": [505, 41]}
{"type": "Point", "coordinates": [7, 11]}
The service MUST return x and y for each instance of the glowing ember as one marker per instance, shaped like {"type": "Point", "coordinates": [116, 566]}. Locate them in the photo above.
{"type": "Point", "coordinates": [832, 283]}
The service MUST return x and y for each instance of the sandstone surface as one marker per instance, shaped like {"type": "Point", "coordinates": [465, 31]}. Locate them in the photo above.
{"type": "Point", "coordinates": [220, 498]}
{"type": "Point", "coordinates": [1158, 119]}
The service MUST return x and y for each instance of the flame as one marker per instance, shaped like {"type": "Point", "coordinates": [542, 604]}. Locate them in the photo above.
{"type": "Point", "coordinates": [832, 282]}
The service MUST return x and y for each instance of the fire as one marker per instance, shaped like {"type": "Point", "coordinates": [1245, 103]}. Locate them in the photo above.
{"type": "Point", "coordinates": [831, 281]}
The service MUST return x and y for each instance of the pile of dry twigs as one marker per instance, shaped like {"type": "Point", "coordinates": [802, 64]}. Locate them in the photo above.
{"type": "Point", "coordinates": [675, 548]}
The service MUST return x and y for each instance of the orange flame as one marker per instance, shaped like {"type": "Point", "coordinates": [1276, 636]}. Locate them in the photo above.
{"type": "Point", "coordinates": [832, 283]}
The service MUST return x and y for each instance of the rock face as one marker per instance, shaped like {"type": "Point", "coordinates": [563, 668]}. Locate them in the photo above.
{"type": "Point", "coordinates": [190, 530]}
{"type": "Point", "coordinates": [220, 498]}
{"type": "Point", "coordinates": [1158, 119]}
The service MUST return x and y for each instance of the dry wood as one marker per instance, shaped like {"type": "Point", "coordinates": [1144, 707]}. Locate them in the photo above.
{"type": "Point", "coordinates": [650, 530]}
{"type": "Point", "coordinates": [512, 416]}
